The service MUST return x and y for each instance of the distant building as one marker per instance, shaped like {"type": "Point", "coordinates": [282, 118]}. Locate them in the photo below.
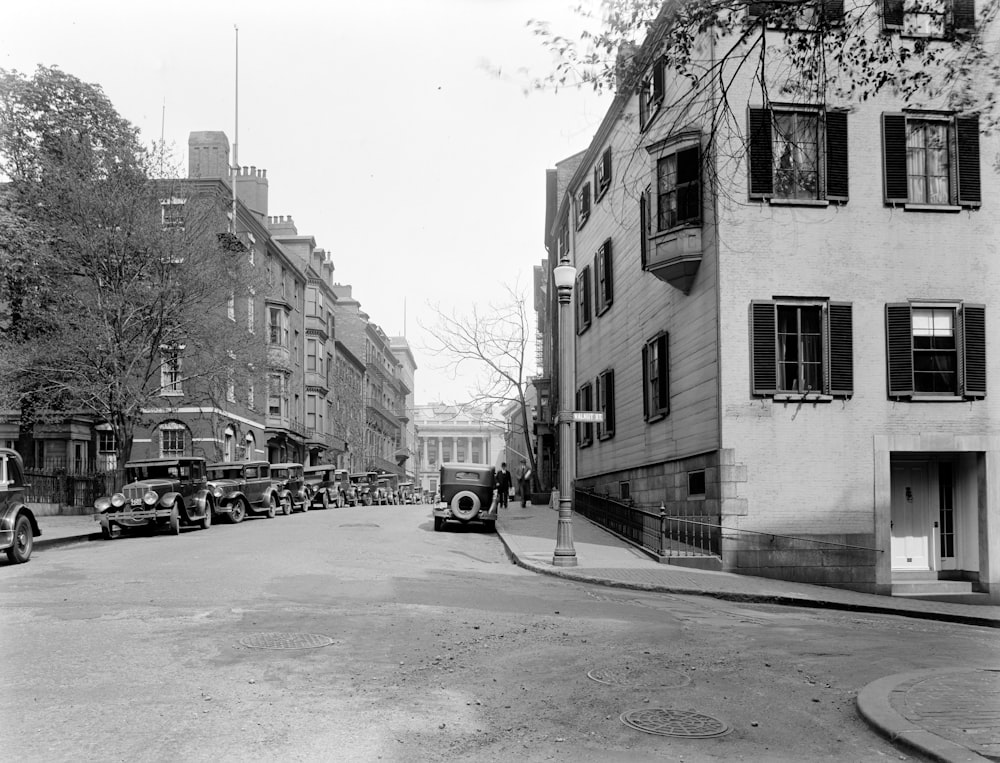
{"type": "Point", "coordinates": [453, 433]}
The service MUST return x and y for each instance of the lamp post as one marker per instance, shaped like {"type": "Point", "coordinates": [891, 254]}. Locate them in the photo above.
{"type": "Point", "coordinates": [565, 554]}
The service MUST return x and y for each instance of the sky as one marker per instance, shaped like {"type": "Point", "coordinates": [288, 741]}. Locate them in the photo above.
{"type": "Point", "coordinates": [398, 133]}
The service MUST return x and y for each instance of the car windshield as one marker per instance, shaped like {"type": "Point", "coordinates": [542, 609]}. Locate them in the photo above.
{"type": "Point", "coordinates": [280, 474]}
{"type": "Point", "coordinates": [225, 474]}
{"type": "Point", "coordinates": [156, 472]}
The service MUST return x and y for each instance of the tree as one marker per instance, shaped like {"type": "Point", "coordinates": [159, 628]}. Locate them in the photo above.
{"type": "Point", "coordinates": [118, 282]}
{"type": "Point", "coordinates": [495, 341]}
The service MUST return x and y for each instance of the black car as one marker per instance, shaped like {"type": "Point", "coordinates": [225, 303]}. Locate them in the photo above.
{"type": "Point", "coordinates": [244, 487]}
{"type": "Point", "coordinates": [18, 527]}
{"type": "Point", "coordinates": [467, 495]}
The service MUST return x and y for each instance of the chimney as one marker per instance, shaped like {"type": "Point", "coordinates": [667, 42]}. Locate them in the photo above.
{"type": "Point", "coordinates": [624, 65]}
{"type": "Point", "coordinates": [208, 155]}
{"type": "Point", "coordinates": [251, 189]}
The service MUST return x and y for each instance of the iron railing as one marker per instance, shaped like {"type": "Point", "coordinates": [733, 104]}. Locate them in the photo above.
{"type": "Point", "coordinates": [45, 486]}
{"type": "Point", "coordinates": [656, 530]}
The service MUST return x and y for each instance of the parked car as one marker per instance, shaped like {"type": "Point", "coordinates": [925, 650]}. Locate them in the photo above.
{"type": "Point", "coordinates": [363, 488]}
{"type": "Point", "coordinates": [386, 491]}
{"type": "Point", "coordinates": [345, 487]}
{"type": "Point", "coordinates": [159, 493]}
{"type": "Point", "coordinates": [407, 494]}
{"type": "Point", "coordinates": [18, 527]}
{"type": "Point", "coordinates": [293, 491]}
{"type": "Point", "coordinates": [467, 495]}
{"type": "Point", "coordinates": [243, 487]}
{"type": "Point", "coordinates": [324, 486]}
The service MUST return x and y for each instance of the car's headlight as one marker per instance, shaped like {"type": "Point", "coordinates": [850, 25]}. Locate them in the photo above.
{"type": "Point", "coordinates": [103, 503]}
{"type": "Point", "coordinates": [150, 497]}
{"type": "Point", "coordinates": [217, 492]}
{"type": "Point", "coordinates": [118, 500]}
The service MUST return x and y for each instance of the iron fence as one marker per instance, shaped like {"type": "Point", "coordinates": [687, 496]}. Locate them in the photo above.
{"type": "Point", "coordinates": [655, 529]}
{"type": "Point", "coordinates": [66, 489]}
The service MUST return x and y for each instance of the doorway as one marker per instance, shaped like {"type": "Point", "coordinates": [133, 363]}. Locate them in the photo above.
{"type": "Point", "coordinates": [914, 500]}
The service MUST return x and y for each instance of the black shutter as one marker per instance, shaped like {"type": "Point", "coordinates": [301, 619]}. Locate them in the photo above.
{"type": "Point", "coordinates": [609, 398]}
{"type": "Point", "coordinates": [836, 156]}
{"type": "Point", "coordinates": [645, 382]}
{"type": "Point", "coordinates": [974, 350]}
{"type": "Point", "coordinates": [964, 14]}
{"type": "Point", "coordinates": [609, 284]}
{"type": "Point", "coordinates": [763, 348]}
{"type": "Point", "coordinates": [894, 158]}
{"type": "Point", "coordinates": [644, 228]}
{"type": "Point", "coordinates": [841, 333]}
{"type": "Point", "coordinates": [969, 188]}
{"type": "Point", "coordinates": [759, 150]}
{"type": "Point", "coordinates": [892, 14]}
{"type": "Point", "coordinates": [899, 349]}
{"type": "Point", "coordinates": [833, 12]}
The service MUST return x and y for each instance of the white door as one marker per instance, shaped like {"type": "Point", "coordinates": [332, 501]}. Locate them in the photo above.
{"type": "Point", "coordinates": [912, 518]}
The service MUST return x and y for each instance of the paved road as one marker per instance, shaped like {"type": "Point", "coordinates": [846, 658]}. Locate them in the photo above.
{"type": "Point", "coordinates": [146, 648]}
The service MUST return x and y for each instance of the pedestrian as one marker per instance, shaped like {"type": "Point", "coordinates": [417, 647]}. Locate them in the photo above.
{"type": "Point", "coordinates": [524, 482]}
{"type": "Point", "coordinates": [504, 484]}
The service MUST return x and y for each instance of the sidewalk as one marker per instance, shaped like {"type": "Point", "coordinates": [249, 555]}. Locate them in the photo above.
{"type": "Point", "coordinates": [945, 715]}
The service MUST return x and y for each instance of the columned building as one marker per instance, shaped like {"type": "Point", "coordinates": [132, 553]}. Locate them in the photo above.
{"type": "Point", "coordinates": [450, 433]}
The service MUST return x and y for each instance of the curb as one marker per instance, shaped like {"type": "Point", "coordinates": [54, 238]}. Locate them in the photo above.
{"type": "Point", "coordinates": [42, 543]}
{"type": "Point", "coordinates": [875, 708]}
{"type": "Point", "coordinates": [778, 599]}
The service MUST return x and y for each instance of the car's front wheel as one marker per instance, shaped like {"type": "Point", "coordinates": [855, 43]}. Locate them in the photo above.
{"type": "Point", "coordinates": [272, 507]}
{"type": "Point", "coordinates": [20, 550]}
{"type": "Point", "coordinates": [286, 506]}
{"type": "Point", "coordinates": [175, 519]}
{"type": "Point", "coordinates": [237, 513]}
{"type": "Point", "coordinates": [326, 500]}
{"type": "Point", "coordinates": [206, 521]}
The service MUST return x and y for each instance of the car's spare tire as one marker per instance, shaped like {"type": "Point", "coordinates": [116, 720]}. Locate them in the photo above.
{"type": "Point", "coordinates": [465, 505]}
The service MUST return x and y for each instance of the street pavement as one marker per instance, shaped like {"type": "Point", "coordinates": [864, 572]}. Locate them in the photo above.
{"type": "Point", "coordinates": [945, 715]}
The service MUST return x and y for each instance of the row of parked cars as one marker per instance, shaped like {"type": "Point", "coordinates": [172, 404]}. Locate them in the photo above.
{"type": "Point", "coordinates": [185, 491]}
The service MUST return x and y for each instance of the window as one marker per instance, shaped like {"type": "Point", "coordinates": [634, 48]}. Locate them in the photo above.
{"type": "Point", "coordinates": [107, 455]}
{"type": "Point", "coordinates": [250, 447]}
{"type": "Point", "coordinates": [170, 372]}
{"type": "Point", "coordinates": [931, 159]}
{"type": "Point", "coordinates": [585, 402]}
{"type": "Point", "coordinates": [624, 490]}
{"type": "Point", "coordinates": [798, 154]}
{"type": "Point", "coordinates": [277, 327]}
{"type": "Point", "coordinates": [562, 244]}
{"type": "Point", "coordinates": [311, 405]}
{"type": "Point", "coordinates": [583, 206]}
{"type": "Point", "coordinates": [602, 175]}
{"type": "Point", "coordinates": [678, 189]}
{"type": "Point", "coordinates": [656, 388]}
{"type": "Point", "coordinates": [251, 307]}
{"type": "Point", "coordinates": [651, 91]}
{"type": "Point", "coordinates": [606, 404]}
{"type": "Point", "coordinates": [230, 387]}
{"type": "Point", "coordinates": [228, 445]}
{"type": "Point", "coordinates": [250, 395]}
{"type": "Point", "coordinates": [275, 395]}
{"type": "Point", "coordinates": [696, 484]}
{"type": "Point", "coordinates": [311, 359]}
{"type": "Point", "coordinates": [583, 300]}
{"type": "Point", "coordinates": [231, 305]}
{"type": "Point", "coordinates": [929, 18]}
{"type": "Point", "coordinates": [605, 281]}
{"type": "Point", "coordinates": [936, 350]}
{"type": "Point", "coordinates": [173, 440]}
{"type": "Point", "coordinates": [172, 214]}
{"type": "Point", "coordinates": [802, 347]}
{"type": "Point", "coordinates": [790, 14]}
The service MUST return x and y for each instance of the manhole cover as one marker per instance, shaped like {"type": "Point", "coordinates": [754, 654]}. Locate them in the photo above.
{"type": "Point", "coordinates": [360, 524]}
{"type": "Point", "coordinates": [285, 640]}
{"type": "Point", "coordinates": [675, 723]}
{"type": "Point", "coordinates": [621, 676]}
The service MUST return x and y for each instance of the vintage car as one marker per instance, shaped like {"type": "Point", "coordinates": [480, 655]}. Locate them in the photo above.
{"type": "Point", "coordinates": [347, 490]}
{"type": "Point", "coordinates": [18, 527]}
{"type": "Point", "coordinates": [159, 493]}
{"type": "Point", "coordinates": [407, 493]}
{"type": "Point", "coordinates": [467, 495]}
{"type": "Point", "coordinates": [386, 491]}
{"type": "Point", "coordinates": [290, 483]}
{"type": "Point", "coordinates": [324, 486]}
{"type": "Point", "coordinates": [244, 487]}
{"type": "Point", "coordinates": [363, 488]}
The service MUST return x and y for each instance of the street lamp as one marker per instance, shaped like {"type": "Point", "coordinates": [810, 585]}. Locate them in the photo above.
{"type": "Point", "coordinates": [565, 555]}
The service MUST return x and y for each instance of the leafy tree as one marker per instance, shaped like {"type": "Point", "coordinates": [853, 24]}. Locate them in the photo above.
{"type": "Point", "coordinates": [117, 282]}
{"type": "Point", "coordinates": [495, 342]}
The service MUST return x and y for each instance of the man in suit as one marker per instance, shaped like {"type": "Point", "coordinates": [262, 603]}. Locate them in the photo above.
{"type": "Point", "coordinates": [504, 482]}
{"type": "Point", "coordinates": [524, 482]}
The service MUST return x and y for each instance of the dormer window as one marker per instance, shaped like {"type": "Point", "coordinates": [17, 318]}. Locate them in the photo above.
{"type": "Point", "coordinates": [651, 91]}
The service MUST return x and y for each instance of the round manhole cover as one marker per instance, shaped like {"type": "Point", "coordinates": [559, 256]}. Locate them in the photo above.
{"type": "Point", "coordinates": [623, 676]}
{"type": "Point", "coordinates": [285, 640]}
{"type": "Point", "coordinates": [675, 723]}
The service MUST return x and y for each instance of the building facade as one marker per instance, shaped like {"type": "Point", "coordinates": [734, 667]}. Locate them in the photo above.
{"type": "Point", "coordinates": [447, 433]}
{"type": "Point", "coordinates": [786, 319]}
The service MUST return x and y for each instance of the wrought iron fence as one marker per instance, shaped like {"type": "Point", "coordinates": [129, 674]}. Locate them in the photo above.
{"type": "Point", "coordinates": [57, 486]}
{"type": "Point", "coordinates": [654, 529]}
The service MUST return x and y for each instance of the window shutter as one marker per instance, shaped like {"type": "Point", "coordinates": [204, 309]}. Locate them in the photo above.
{"type": "Point", "coordinates": [833, 12]}
{"type": "Point", "coordinates": [969, 189]}
{"type": "Point", "coordinates": [644, 228]}
{"type": "Point", "coordinates": [609, 281]}
{"type": "Point", "coordinates": [663, 393]}
{"type": "Point", "coordinates": [899, 349]}
{"type": "Point", "coordinates": [894, 158]}
{"type": "Point", "coordinates": [759, 148]}
{"type": "Point", "coordinates": [645, 382]}
{"type": "Point", "coordinates": [836, 156]}
{"type": "Point", "coordinates": [609, 397]}
{"type": "Point", "coordinates": [579, 425]}
{"type": "Point", "coordinates": [892, 14]}
{"type": "Point", "coordinates": [841, 344]}
{"type": "Point", "coordinates": [964, 14]}
{"type": "Point", "coordinates": [763, 350]}
{"type": "Point", "coordinates": [974, 350]}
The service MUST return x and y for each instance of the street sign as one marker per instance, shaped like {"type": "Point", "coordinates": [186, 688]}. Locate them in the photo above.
{"type": "Point", "coordinates": [587, 416]}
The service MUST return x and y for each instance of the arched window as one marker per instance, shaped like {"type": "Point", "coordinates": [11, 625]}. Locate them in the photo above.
{"type": "Point", "coordinates": [250, 448]}
{"type": "Point", "coordinates": [175, 440]}
{"type": "Point", "coordinates": [229, 445]}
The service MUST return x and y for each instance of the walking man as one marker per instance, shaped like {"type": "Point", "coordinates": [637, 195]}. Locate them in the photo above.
{"type": "Point", "coordinates": [524, 482]}
{"type": "Point", "coordinates": [504, 484]}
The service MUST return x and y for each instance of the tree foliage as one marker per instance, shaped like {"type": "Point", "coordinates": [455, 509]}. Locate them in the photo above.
{"type": "Point", "coordinates": [105, 282]}
{"type": "Point", "coordinates": [494, 341]}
